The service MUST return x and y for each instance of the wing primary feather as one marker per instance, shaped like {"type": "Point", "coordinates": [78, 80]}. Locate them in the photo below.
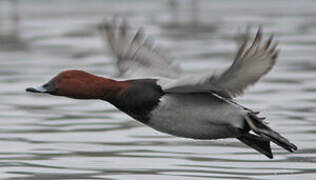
{"type": "Point", "coordinates": [140, 35]}
{"type": "Point", "coordinates": [255, 45]}
{"type": "Point", "coordinates": [243, 46]}
{"type": "Point", "coordinates": [268, 43]}
{"type": "Point", "coordinates": [137, 38]}
{"type": "Point", "coordinates": [259, 37]}
{"type": "Point", "coordinates": [124, 28]}
{"type": "Point", "coordinates": [273, 47]}
{"type": "Point", "coordinates": [276, 54]}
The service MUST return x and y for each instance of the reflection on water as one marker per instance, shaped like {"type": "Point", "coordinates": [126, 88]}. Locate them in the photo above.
{"type": "Point", "coordinates": [44, 137]}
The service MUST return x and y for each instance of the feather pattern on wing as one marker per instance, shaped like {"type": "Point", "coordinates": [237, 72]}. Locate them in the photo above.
{"type": "Point", "coordinates": [136, 55]}
{"type": "Point", "coordinates": [250, 64]}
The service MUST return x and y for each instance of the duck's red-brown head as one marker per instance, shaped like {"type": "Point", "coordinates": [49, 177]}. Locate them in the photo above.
{"type": "Point", "coordinates": [79, 85]}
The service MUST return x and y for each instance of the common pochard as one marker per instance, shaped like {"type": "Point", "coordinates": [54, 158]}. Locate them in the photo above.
{"type": "Point", "coordinates": [197, 107]}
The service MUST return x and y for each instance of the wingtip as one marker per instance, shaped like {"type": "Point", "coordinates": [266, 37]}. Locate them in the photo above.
{"type": "Point", "coordinates": [139, 36]}
{"type": "Point", "coordinates": [276, 54]}
{"type": "Point", "coordinates": [273, 47]}
{"type": "Point", "coordinates": [258, 38]}
{"type": "Point", "coordinates": [268, 42]}
{"type": "Point", "coordinates": [259, 31]}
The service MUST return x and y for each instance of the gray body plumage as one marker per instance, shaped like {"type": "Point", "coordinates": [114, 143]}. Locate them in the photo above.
{"type": "Point", "coordinates": [198, 116]}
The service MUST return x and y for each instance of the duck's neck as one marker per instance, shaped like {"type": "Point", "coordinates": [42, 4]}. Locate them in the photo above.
{"type": "Point", "coordinates": [109, 89]}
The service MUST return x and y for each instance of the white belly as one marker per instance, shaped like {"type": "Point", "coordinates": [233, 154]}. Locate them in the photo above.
{"type": "Point", "coordinates": [198, 116]}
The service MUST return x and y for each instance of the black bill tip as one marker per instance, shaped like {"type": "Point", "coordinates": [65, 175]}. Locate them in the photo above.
{"type": "Point", "coordinates": [36, 89]}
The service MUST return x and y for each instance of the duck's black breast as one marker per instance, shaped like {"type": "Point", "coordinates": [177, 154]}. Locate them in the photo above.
{"type": "Point", "coordinates": [139, 98]}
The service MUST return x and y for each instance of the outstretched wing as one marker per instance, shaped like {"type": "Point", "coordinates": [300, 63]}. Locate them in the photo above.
{"type": "Point", "coordinates": [250, 64]}
{"type": "Point", "coordinates": [135, 53]}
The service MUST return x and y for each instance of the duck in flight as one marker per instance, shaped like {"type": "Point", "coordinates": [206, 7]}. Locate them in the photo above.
{"type": "Point", "coordinates": [157, 95]}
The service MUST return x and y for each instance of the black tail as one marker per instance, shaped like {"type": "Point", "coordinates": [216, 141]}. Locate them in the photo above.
{"type": "Point", "coordinates": [257, 125]}
{"type": "Point", "coordinates": [260, 144]}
